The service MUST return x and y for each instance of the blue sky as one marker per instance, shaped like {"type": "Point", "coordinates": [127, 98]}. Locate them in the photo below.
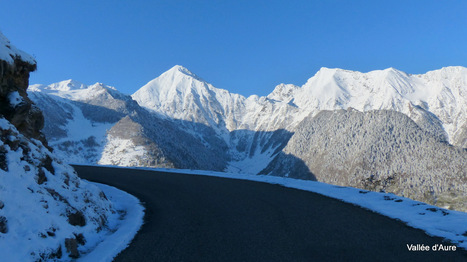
{"type": "Point", "coordinates": [246, 47]}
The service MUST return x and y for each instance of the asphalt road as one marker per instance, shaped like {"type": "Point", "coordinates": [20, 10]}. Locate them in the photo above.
{"type": "Point", "coordinates": [200, 218]}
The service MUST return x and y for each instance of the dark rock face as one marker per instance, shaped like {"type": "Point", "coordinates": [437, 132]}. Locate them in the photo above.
{"type": "Point", "coordinates": [77, 219]}
{"type": "Point", "coordinates": [3, 225]}
{"type": "Point", "coordinates": [3, 160]}
{"type": "Point", "coordinates": [72, 247]}
{"type": "Point", "coordinates": [23, 114]}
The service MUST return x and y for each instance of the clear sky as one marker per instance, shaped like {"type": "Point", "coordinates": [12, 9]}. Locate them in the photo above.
{"type": "Point", "coordinates": [246, 47]}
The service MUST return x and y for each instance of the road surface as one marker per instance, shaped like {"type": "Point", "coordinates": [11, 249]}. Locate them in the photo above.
{"type": "Point", "coordinates": [202, 218]}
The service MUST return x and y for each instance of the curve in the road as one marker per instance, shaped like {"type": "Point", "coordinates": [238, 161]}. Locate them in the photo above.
{"type": "Point", "coordinates": [202, 218]}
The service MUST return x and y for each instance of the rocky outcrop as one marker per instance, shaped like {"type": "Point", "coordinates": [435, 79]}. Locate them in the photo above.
{"type": "Point", "coordinates": [15, 106]}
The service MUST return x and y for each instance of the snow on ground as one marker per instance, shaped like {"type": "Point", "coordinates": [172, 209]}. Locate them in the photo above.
{"type": "Point", "coordinates": [433, 220]}
{"type": "Point", "coordinates": [44, 205]}
{"type": "Point", "coordinates": [251, 165]}
{"type": "Point", "coordinates": [81, 128]}
{"type": "Point", "coordinates": [85, 139]}
{"type": "Point", "coordinates": [99, 247]}
{"type": "Point", "coordinates": [127, 225]}
{"type": "Point", "coordinates": [122, 152]}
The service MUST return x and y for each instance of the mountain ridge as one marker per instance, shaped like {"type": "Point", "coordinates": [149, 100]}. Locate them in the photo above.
{"type": "Point", "coordinates": [329, 89]}
{"type": "Point", "coordinates": [185, 122]}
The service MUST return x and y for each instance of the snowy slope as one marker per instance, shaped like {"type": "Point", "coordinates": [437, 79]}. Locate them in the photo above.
{"type": "Point", "coordinates": [45, 209]}
{"type": "Point", "coordinates": [43, 202]}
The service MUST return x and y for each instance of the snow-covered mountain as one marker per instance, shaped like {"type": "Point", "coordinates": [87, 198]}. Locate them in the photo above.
{"type": "Point", "coordinates": [196, 125]}
{"type": "Point", "coordinates": [98, 124]}
{"type": "Point", "coordinates": [435, 100]}
{"type": "Point", "coordinates": [74, 125]}
{"type": "Point", "coordinates": [249, 126]}
{"type": "Point", "coordinates": [180, 94]}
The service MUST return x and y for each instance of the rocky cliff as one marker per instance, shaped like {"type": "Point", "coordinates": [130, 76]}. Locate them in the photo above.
{"type": "Point", "coordinates": [15, 106]}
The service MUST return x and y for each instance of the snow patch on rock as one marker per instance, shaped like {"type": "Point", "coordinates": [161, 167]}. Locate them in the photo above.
{"type": "Point", "coordinates": [9, 52]}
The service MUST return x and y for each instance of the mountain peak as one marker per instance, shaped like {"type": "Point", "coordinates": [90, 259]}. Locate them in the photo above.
{"type": "Point", "coordinates": [394, 71]}
{"type": "Point", "coordinates": [102, 86]}
{"type": "Point", "coordinates": [67, 85]}
{"type": "Point", "coordinates": [323, 69]}
{"type": "Point", "coordinates": [179, 70]}
{"type": "Point", "coordinates": [283, 92]}
{"type": "Point", "coordinates": [326, 70]}
{"type": "Point", "coordinates": [449, 70]}
{"type": "Point", "coordinates": [334, 70]}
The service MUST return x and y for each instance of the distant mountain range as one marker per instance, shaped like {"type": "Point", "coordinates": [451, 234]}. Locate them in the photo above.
{"type": "Point", "coordinates": [382, 130]}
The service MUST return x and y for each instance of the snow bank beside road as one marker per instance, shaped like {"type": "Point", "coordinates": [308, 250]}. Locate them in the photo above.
{"type": "Point", "coordinates": [126, 225]}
